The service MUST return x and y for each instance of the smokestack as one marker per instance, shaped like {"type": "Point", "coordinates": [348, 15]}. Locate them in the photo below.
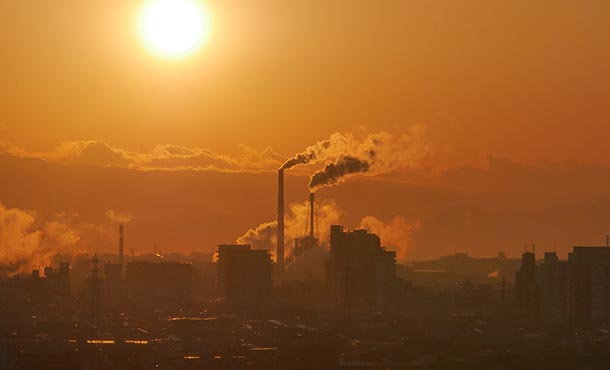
{"type": "Point", "coordinates": [280, 220]}
{"type": "Point", "coordinates": [311, 213]}
{"type": "Point", "coordinates": [121, 247]}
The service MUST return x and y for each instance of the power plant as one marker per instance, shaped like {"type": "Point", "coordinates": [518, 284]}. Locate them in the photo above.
{"type": "Point", "coordinates": [301, 244]}
{"type": "Point", "coordinates": [309, 240]}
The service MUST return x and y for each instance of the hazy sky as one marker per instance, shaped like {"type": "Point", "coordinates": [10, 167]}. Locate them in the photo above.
{"type": "Point", "coordinates": [522, 87]}
{"type": "Point", "coordinates": [520, 79]}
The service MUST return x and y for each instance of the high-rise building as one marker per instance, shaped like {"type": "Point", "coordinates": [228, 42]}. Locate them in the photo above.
{"type": "Point", "coordinates": [361, 273]}
{"type": "Point", "coordinates": [525, 283]}
{"type": "Point", "coordinates": [63, 278]}
{"type": "Point", "coordinates": [589, 285]}
{"type": "Point", "coordinates": [552, 282]}
{"type": "Point", "coordinates": [244, 274]}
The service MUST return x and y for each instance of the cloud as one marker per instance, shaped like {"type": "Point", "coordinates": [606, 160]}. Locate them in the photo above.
{"type": "Point", "coordinates": [166, 157]}
{"type": "Point", "coordinates": [343, 155]}
{"type": "Point", "coordinates": [90, 153]}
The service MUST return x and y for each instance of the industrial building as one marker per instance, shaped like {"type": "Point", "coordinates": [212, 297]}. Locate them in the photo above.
{"type": "Point", "coordinates": [309, 239]}
{"type": "Point", "coordinates": [361, 273]}
{"type": "Point", "coordinates": [244, 274]}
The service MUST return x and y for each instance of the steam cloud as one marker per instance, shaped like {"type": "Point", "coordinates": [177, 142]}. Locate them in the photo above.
{"type": "Point", "coordinates": [27, 241]}
{"type": "Point", "coordinates": [368, 153]}
{"type": "Point", "coordinates": [319, 151]}
{"type": "Point", "coordinates": [396, 235]}
{"type": "Point", "coordinates": [264, 236]}
{"type": "Point", "coordinates": [24, 242]}
{"type": "Point", "coordinates": [261, 237]}
{"type": "Point", "coordinates": [121, 217]}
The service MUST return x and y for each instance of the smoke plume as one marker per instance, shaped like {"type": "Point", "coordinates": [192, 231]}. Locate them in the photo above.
{"type": "Point", "coordinates": [374, 154]}
{"type": "Point", "coordinates": [367, 153]}
{"type": "Point", "coordinates": [24, 242]}
{"type": "Point", "coordinates": [333, 172]}
{"type": "Point", "coordinates": [396, 235]}
{"type": "Point", "coordinates": [333, 146]}
{"type": "Point", "coordinates": [264, 236]}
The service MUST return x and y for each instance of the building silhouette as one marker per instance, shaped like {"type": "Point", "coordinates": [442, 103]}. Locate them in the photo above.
{"type": "Point", "coordinates": [525, 283]}
{"type": "Point", "coordinates": [244, 274]}
{"type": "Point", "coordinates": [552, 282]}
{"type": "Point", "coordinates": [589, 285]}
{"type": "Point", "coordinates": [361, 273]}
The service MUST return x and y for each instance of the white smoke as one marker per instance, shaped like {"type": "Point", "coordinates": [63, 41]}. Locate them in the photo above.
{"type": "Point", "coordinates": [397, 235]}
{"type": "Point", "coordinates": [120, 217]}
{"type": "Point", "coordinates": [264, 236]}
{"type": "Point", "coordinates": [25, 242]}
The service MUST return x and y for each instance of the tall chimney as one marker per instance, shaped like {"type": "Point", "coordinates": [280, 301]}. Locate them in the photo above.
{"type": "Point", "coordinates": [280, 221]}
{"type": "Point", "coordinates": [311, 213]}
{"type": "Point", "coordinates": [121, 247]}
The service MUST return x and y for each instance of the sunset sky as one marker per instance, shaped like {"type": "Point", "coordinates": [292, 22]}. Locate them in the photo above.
{"type": "Point", "coordinates": [510, 102]}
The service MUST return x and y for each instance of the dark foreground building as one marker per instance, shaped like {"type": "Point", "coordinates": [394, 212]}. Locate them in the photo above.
{"type": "Point", "coordinates": [361, 273]}
{"type": "Point", "coordinates": [244, 274]}
{"type": "Point", "coordinates": [525, 283]}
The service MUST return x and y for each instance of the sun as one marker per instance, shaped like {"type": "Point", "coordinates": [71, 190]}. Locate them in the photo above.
{"type": "Point", "coordinates": [173, 28]}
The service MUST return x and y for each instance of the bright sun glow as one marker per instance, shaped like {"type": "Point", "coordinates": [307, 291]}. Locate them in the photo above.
{"type": "Point", "coordinates": [173, 28]}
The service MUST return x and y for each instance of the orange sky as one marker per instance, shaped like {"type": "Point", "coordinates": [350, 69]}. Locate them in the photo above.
{"type": "Point", "coordinates": [521, 80]}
